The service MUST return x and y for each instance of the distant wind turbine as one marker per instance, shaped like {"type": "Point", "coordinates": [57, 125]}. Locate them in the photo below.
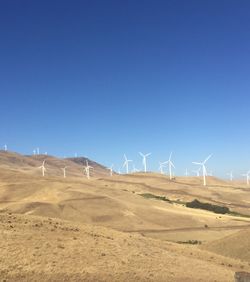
{"type": "Point", "coordinates": [230, 175]}
{"type": "Point", "coordinates": [38, 151]}
{"type": "Point", "coordinates": [43, 168]}
{"type": "Point", "coordinates": [126, 163]}
{"type": "Point", "coordinates": [247, 176]}
{"type": "Point", "coordinates": [204, 170]}
{"type": "Point", "coordinates": [170, 165]}
{"type": "Point", "coordinates": [5, 148]}
{"type": "Point", "coordinates": [186, 172]}
{"type": "Point", "coordinates": [135, 169]}
{"type": "Point", "coordinates": [111, 170]}
{"type": "Point", "coordinates": [144, 160]}
{"type": "Point", "coordinates": [87, 169]}
{"type": "Point", "coordinates": [161, 167]}
{"type": "Point", "coordinates": [64, 171]}
{"type": "Point", "coordinates": [197, 172]}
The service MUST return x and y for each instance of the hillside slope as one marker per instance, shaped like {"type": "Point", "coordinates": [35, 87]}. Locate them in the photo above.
{"type": "Point", "coordinates": [236, 246]}
{"type": "Point", "coordinates": [44, 249]}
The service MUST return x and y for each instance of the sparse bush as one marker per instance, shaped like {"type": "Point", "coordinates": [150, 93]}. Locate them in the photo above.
{"type": "Point", "coordinates": [195, 204]}
{"type": "Point", "coordinates": [191, 242]}
{"type": "Point", "coordinates": [152, 196]}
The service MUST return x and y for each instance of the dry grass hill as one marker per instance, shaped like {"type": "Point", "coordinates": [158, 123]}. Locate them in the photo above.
{"type": "Point", "coordinates": [152, 239]}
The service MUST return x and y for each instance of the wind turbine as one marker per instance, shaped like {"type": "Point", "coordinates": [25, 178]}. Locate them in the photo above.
{"type": "Point", "coordinates": [34, 152]}
{"type": "Point", "coordinates": [5, 148]}
{"type": "Point", "coordinates": [144, 160]}
{"type": "Point", "coordinates": [204, 171]}
{"type": "Point", "coordinates": [87, 169]}
{"type": "Point", "coordinates": [186, 172]}
{"type": "Point", "coordinates": [135, 169]}
{"type": "Point", "coordinates": [230, 175]}
{"type": "Point", "coordinates": [161, 167]}
{"type": "Point", "coordinates": [126, 163]}
{"type": "Point", "coordinates": [111, 170]}
{"type": "Point", "coordinates": [38, 151]}
{"type": "Point", "coordinates": [43, 168]}
{"type": "Point", "coordinates": [64, 171]}
{"type": "Point", "coordinates": [170, 165]}
{"type": "Point", "coordinates": [197, 172]}
{"type": "Point", "coordinates": [247, 176]}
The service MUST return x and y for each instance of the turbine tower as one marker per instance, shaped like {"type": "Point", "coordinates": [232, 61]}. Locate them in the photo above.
{"type": "Point", "coordinates": [38, 151]}
{"type": "Point", "coordinates": [111, 170]}
{"type": "Point", "coordinates": [43, 168]}
{"type": "Point", "coordinates": [186, 172]}
{"type": "Point", "coordinates": [230, 175]}
{"type": "Point", "coordinates": [144, 160]}
{"type": "Point", "coordinates": [170, 165]}
{"type": "Point", "coordinates": [5, 148]}
{"type": "Point", "coordinates": [247, 176]}
{"type": "Point", "coordinates": [204, 170]}
{"type": "Point", "coordinates": [87, 169]}
{"type": "Point", "coordinates": [126, 163]}
{"type": "Point", "coordinates": [64, 171]}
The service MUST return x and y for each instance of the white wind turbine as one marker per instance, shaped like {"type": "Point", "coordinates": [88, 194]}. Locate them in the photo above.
{"type": "Point", "coordinates": [230, 176]}
{"type": "Point", "coordinates": [197, 172]}
{"type": "Point", "coordinates": [161, 167]}
{"type": "Point", "coordinates": [186, 172]}
{"type": "Point", "coordinates": [135, 169]}
{"type": "Point", "coordinates": [43, 168]}
{"type": "Point", "coordinates": [87, 169]}
{"type": "Point", "coordinates": [64, 171]}
{"type": "Point", "coordinates": [126, 163]}
{"type": "Point", "coordinates": [170, 165]}
{"type": "Point", "coordinates": [247, 176]}
{"type": "Point", "coordinates": [111, 170]}
{"type": "Point", "coordinates": [38, 151]}
{"type": "Point", "coordinates": [204, 170]}
{"type": "Point", "coordinates": [144, 160]}
{"type": "Point", "coordinates": [5, 148]}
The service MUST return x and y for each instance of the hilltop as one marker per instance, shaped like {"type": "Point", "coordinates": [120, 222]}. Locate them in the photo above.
{"type": "Point", "coordinates": [30, 164]}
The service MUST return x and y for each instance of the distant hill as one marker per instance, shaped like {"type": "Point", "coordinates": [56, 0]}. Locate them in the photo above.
{"type": "Point", "coordinates": [54, 165]}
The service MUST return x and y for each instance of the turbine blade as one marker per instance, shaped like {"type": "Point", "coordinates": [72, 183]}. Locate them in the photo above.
{"type": "Point", "coordinates": [197, 163]}
{"type": "Point", "coordinates": [170, 156]}
{"type": "Point", "coordinates": [207, 158]}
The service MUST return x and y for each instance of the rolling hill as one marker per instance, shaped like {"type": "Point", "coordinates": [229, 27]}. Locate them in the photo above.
{"type": "Point", "coordinates": [118, 207]}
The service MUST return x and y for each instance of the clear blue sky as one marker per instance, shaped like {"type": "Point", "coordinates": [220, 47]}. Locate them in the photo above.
{"type": "Point", "coordinates": [104, 78]}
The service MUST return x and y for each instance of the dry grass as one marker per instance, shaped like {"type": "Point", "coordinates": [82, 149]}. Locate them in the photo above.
{"type": "Point", "coordinates": [36, 248]}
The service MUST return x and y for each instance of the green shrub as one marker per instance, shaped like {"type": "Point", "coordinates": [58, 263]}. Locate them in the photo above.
{"type": "Point", "coordinates": [195, 204]}
{"type": "Point", "coordinates": [152, 196]}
